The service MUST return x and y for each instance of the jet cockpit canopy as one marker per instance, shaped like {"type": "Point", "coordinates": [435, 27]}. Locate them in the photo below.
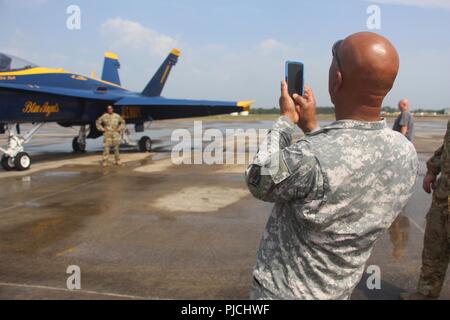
{"type": "Point", "coordinates": [9, 63]}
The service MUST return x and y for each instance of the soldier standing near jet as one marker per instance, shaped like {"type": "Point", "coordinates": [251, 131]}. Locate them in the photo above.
{"type": "Point", "coordinates": [436, 251]}
{"type": "Point", "coordinates": [112, 125]}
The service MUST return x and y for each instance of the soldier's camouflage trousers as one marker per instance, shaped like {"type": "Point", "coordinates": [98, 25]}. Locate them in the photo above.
{"type": "Point", "coordinates": [111, 139]}
{"type": "Point", "coordinates": [436, 252]}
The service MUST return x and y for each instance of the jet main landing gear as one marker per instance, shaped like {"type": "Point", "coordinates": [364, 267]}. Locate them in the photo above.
{"type": "Point", "coordinates": [79, 143]}
{"type": "Point", "coordinates": [143, 145]}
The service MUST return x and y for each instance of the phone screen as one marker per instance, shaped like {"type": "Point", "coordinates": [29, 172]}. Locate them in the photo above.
{"type": "Point", "coordinates": [294, 77]}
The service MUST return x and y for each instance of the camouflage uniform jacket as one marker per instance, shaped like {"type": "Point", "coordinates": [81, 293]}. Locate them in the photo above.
{"type": "Point", "coordinates": [440, 164]}
{"type": "Point", "coordinates": [335, 192]}
{"type": "Point", "coordinates": [112, 123]}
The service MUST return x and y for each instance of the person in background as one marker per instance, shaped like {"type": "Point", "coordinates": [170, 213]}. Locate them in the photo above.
{"type": "Point", "coordinates": [405, 121]}
{"type": "Point", "coordinates": [436, 248]}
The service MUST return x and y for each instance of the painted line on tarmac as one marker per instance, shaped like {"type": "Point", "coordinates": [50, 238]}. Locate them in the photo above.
{"type": "Point", "coordinates": [108, 294]}
{"type": "Point", "coordinates": [417, 225]}
{"type": "Point", "coordinates": [56, 193]}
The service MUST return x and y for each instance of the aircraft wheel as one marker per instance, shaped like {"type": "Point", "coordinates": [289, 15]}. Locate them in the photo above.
{"type": "Point", "coordinates": [78, 147]}
{"type": "Point", "coordinates": [8, 163]}
{"type": "Point", "coordinates": [22, 161]}
{"type": "Point", "coordinates": [145, 144]}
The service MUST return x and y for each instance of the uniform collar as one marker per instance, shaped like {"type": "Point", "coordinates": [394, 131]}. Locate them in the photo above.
{"type": "Point", "coordinates": [354, 124]}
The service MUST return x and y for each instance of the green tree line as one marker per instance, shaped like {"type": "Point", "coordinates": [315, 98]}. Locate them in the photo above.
{"type": "Point", "coordinates": [330, 110]}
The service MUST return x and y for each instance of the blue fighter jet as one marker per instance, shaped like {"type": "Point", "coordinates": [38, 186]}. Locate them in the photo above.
{"type": "Point", "coordinates": [32, 94]}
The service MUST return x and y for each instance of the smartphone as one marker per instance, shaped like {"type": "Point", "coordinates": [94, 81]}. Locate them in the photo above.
{"type": "Point", "coordinates": [295, 77]}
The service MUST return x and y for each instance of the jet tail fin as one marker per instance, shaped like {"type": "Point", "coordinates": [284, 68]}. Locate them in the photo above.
{"type": "Point", "coordinates": [111, 68]}
{"type": "Point", "coordinates": [156, 85]}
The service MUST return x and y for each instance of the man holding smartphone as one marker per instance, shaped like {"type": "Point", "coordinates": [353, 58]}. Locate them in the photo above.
{"type": "Point", "coordinates": [339, 188]}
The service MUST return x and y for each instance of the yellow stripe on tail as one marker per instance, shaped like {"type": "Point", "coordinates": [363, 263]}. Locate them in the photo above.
{"type": "Point", "coordinates": [245, 105]}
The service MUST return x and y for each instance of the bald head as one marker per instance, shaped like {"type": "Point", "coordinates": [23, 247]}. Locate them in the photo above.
{"type": "Point", "coordinates": [363, 71]}
{"type": "Point", "coordinates": [403, 105]}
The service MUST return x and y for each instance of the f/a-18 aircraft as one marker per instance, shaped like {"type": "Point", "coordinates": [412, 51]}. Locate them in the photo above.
{"type": "Point", "coordinates": [32, 94]}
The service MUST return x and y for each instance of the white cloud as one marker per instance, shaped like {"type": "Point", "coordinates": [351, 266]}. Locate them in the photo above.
{"type": "Point", "coordinates": [270, 44]}
{"type": "Point", "coordinates": [127, 34]}
{"type": "Point", "coordinates": [209, 71]}
{"type": "Point", "coordinates": [438, 4]}
{"type": "Point", "coordinates": [233, 72]}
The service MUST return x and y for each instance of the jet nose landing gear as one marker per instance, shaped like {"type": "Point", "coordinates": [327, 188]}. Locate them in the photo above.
{"type": "Point", "coordinates": [21, 162]}
{"type": "Point", "coordinates": [14, 157]}
{"type": "Point", "coordinates": [8, 163]}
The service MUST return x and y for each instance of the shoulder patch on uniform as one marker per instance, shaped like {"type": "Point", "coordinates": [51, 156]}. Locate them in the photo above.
{"type": "Point", "coordinates": [281, 172]}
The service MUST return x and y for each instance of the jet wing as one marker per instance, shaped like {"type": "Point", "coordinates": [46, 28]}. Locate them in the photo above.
{"type": "Point", "coordinates": [159, 108]}
{"type": "Point", "coordinates": [94, 95]}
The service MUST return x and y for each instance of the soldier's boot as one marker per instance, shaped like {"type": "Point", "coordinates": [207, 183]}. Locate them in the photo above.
{"type": "Point", "coordinates": [119, 163]}
{"type": "Point", "coordinates": [105, 164]}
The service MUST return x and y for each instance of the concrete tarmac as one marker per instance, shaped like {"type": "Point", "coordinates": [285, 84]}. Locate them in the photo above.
{"type": "Point", "coordinates": [154, 230]}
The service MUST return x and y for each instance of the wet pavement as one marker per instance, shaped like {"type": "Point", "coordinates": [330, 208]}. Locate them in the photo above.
{"type": "Point", "coordinates": [151, 229]}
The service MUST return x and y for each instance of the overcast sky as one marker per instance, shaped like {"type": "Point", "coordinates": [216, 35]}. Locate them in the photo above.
{"type": "Point", "coordinates": [232, 50]}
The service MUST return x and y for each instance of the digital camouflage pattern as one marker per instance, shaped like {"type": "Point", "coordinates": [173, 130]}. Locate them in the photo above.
{"type": "Point", "coordinates": [114, 125]}
{"type": "Point", "coordinates": [335, 192]}
{"type": "Point", "coordinates": [436, 252]}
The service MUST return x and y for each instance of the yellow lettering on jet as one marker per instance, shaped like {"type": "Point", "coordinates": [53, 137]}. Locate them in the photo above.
{"type": "Point", "coordinates": [46, 108]}
{"type": "Point", "coordinates": [131, 113]}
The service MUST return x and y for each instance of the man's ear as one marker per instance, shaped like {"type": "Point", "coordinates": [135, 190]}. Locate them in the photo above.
{"type": "Point", "coordinates": [337, 83]}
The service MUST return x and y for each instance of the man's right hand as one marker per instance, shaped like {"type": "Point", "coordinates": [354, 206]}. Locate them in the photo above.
{"type": "Point", "coordinates": [429, 182]}
{"type": "Point", "coordinates": [287, 105]}
{"type": "Point", "coordinates": [306, 107]}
